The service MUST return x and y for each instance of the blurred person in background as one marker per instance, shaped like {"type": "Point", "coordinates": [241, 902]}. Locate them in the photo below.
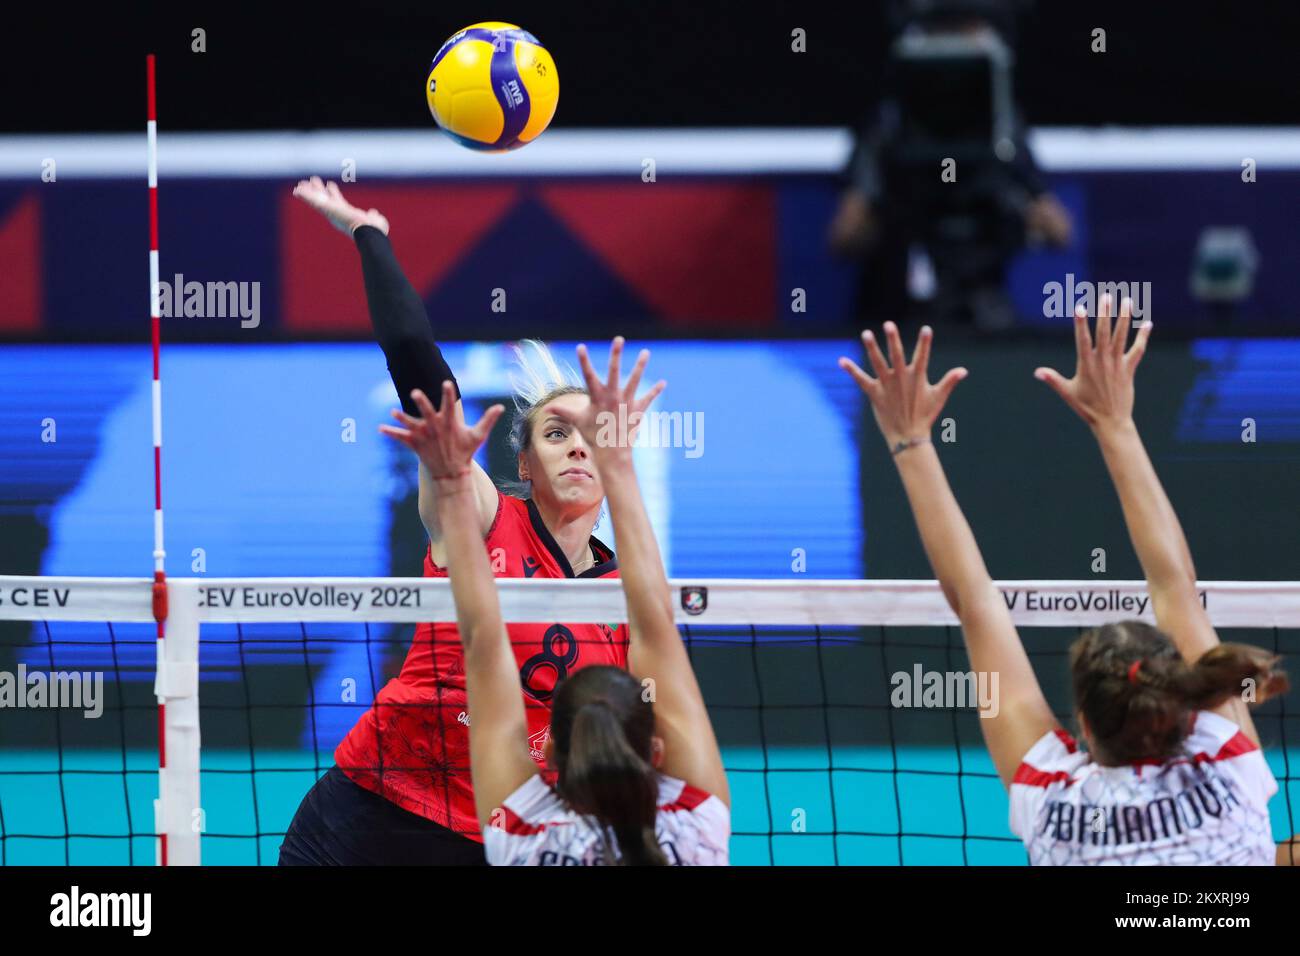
{"type": "Point", "coordinates": [941, 189]}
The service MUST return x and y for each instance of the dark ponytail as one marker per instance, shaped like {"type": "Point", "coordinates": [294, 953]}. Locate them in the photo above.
{"type": "Point", "coordinates": [1224, 672]}
{"type": "Point", "coordinates": [602, 731]}
{"type": "Point", "coordinates": [1137, 693]}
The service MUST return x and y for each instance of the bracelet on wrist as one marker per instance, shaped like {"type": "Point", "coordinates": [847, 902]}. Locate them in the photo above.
{"type": "Point", "coordinates": [452, 477]}
{"type": "Point", "coordinates": [906, 443]}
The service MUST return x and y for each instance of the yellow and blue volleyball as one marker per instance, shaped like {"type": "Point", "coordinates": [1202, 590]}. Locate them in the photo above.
{"type": "Point", "coordinates": [493, 86]}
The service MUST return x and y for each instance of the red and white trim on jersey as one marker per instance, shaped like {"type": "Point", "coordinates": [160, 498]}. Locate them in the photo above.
{"type": "Point", "coordinates": [1207, 806]}
{"type": "Point", "coordinates": [536, 828]}
{"type": "Point", "coordinates": [516, 826]}
{"type": "Point", "coordinates": [687, 800]}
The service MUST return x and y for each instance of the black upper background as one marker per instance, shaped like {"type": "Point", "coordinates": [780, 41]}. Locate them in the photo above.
{"type": "Point", "coordinates": [624, 63]}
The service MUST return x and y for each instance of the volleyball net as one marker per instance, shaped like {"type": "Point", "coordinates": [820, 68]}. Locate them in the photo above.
{"type": "Point", "coordinates": [846, 710]}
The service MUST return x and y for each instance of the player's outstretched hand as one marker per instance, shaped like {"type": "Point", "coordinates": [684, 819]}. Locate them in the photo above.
{"type": "Point", "coordinates": [327, 199]}
{"type": "Point", "coordinates": [445, 444]}
{"type": "Point", "coordinates": [904, 401]}
{"type": "Point", "coordinates": [1101, 391]}
{"type": "Point", "coordinates": [611, 419]}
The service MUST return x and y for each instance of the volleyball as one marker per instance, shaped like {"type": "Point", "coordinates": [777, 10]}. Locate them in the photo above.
{"type": "Point", "coordinates": [493, 87]}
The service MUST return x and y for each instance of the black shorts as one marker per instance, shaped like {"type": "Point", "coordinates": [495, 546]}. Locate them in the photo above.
{"type": "Point", "coordinates": [340, 823]}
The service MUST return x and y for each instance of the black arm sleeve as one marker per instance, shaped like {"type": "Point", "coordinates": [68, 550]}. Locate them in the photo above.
{"type": "Point", "coordinates": [401, 326]}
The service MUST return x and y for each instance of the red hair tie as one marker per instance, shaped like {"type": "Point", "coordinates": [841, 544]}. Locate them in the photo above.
{"type": "Point", "coordinates": [1133, 671]}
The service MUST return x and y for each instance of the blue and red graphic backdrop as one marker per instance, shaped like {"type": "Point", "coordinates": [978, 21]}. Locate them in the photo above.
{"type": "Point", "coordinates": [575, 256]}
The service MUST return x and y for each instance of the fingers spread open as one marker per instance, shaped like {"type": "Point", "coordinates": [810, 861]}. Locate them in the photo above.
{"type": "Point", "coordinates": [615, 357]}
{"type": "Point", "coordinates": [423, 404]}
{"type": "Point", "coordinates": [404, 418]}
{"type": "Point", "coordinates": [1082, 337]}
{"type": "Point", "coordinates": [921, 356]}
{"type": "Point", "coordinates": [1054, 380]}
{"type": "Point", "coordinates": [588, 372]}
{"type": "Point", "coordinates": [1120, 337]}
{"type": "Point", "coordinates": [1103, 324]}
{"type": "Point", "coordinates": [401, 434]}
{"type": "Point", "coordinates": [448, 397]}
{"type": "Point", "coordinates": [949, 382]}
{"type": "Point", "coordinates": [1134, 355]}
{"type": "Point", "coordinates": [634, 379]}
{"type": "Point", "coordinates": [896, 357]}
{"type": "Point", "coordinates": [877, 358]}
{"type": "Point", "coordinates": [485, 424]}
{"type": "Point", "coordinates": [650, 396]}
{"type": "Point", "coordinates": [865, 381]}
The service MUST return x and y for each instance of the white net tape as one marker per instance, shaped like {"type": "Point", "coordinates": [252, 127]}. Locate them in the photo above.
{"type": "Point", "coordinates": [699, 601]}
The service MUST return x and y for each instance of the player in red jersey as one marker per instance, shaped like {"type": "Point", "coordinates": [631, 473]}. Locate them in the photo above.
{"type": "Point", "coordinates": [638, 774]}
{"type": "Point", "coordinates": [400, 789]}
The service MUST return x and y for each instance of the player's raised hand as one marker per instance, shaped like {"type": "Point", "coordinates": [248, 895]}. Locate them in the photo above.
{"type": "Point", "coordinates": [903, 400]}
{"type": "Point", "coordinates": [611, 419]}
{"type": "Point", "coordinates": [445, 444]}
{"type": "Point", "coordinates": [327, 199]}
{"type": "Point", "coordinates": [1101, 391]}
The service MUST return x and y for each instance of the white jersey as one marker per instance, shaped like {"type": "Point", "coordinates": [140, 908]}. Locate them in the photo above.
{"type": "Point", "coordinates": [1208, 806]}
{"type": "Point", "coordinates": [538, 829]}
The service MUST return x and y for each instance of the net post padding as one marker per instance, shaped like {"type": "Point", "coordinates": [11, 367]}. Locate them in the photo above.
{"type": "Point", "coordinates": [178, 814]}
{"type": "Point", "coordinates": [176, 678]}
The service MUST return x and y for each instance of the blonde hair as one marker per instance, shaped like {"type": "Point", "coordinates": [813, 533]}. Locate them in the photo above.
{"type": "Point", "coordinates": [537, 379]}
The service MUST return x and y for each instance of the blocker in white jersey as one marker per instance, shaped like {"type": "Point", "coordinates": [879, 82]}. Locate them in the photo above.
{"type": "Point", "coordinates": [1208, 806]}
{"type": "Point", "coordinates": [537, 829]}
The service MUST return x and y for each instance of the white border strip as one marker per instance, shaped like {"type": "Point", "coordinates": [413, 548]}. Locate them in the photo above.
{"type": "Point", "coordinates": [388, 153]}
{"type": "Point", "coordinates": [1249, 604]}
{"type": "Point", "coordinates": [729, 601]}
{"type": "Point", "coordinates": [1068, 149]}
{"type": "Point", "coordinates": [622, 152]}
{"type": "Point", "coordinates": [124, 600]}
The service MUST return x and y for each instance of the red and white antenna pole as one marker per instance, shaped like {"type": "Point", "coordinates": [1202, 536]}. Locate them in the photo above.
{"type": "Point", "coordinates": [159, 555]}
{"type": "Point", "coordinates": [178, 814]}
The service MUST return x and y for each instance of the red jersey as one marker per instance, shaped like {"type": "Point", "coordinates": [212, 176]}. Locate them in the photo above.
{"type": "Point", "coordinates": [412, 746]}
